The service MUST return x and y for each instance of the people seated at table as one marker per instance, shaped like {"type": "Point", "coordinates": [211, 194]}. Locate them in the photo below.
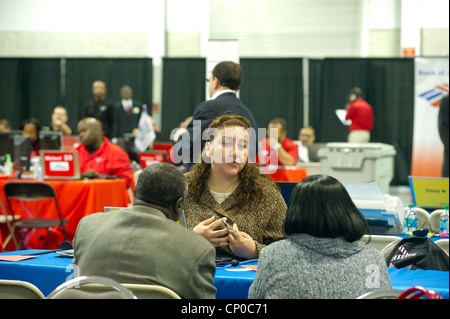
{"type": "Point", "coordinates": [226, 186]}
{"type": "Point", "coordinates": [5, 126]}
{"type": "Point", "coordinates": [30, 128]}
{"type": "Point", "coordinates": [59, 120]}
{"type": "Point", "coordinates": [144, 244]}
{"type": "Point", "coordinates": [277, 149]}
{"type": "Point", "coordinates": [98, 157]}
{"type": "Point", "coordinates": [306, 137]}
{"type": "Point", "coordinates": [324, 256]}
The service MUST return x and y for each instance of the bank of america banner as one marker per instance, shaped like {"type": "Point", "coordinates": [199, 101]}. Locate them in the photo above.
{"type": "Point", "coordinates": [431, 85]}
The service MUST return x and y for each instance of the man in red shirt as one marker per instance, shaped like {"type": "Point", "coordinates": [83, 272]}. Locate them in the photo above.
{"type": "Point", "coordinates": [278, 150]}
{"type": "Point", "coordinates": [98, 157]}
{"type": "Point", "coordinates": [361, 114]}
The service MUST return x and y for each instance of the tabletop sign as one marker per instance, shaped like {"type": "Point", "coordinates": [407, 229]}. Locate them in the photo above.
{"type": "Point", "coordinates": [60, 164]}
{"type": "Point", "coordinates": [152, 157]}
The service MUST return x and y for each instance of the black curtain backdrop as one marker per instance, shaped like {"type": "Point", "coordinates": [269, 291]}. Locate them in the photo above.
{"type": "Point", "coordinates": [270, 88]}
{"type": "Point", "coordinates": [274, 88]}
{"type": "Point", "coordinates": [387, 84]}
{"type": "Point", "coordinates": [29, 88]}
{"type": "Point", "coordinates": [184, 87]}
{"type": "Point", "coordinates": [33, 87]}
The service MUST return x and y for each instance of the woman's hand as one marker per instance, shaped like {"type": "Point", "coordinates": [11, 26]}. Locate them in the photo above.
{"type": "Point", "coordinates": [207, 230]}
{"type": "Point", "coordinates": [242, 245]}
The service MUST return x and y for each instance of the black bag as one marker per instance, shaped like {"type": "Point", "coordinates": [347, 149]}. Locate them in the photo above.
{"type": "Point", "coordinates": [418, 253]}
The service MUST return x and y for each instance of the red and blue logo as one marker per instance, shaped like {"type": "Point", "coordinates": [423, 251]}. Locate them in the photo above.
{"type": "Point", "coordinates": [435, 95]}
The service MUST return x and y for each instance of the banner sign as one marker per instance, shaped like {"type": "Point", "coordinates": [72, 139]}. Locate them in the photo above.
{"type": "Point", "coordinates": [431, 85]}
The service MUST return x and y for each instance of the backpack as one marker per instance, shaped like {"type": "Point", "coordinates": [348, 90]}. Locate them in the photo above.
{"type": "Point", "coordinates": [418, 253]}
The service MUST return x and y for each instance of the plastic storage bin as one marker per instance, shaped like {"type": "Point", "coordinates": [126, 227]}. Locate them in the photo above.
{"type": "Point", "coordinates": [359, 163]}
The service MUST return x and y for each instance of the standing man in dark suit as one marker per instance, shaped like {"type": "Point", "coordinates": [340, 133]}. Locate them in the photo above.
{"type": "Point", "coordinates": [99, 108]}
{"type": "Point", "coordinates": [127, 113]}
{"type": "Point", "coordinates": [223, 85]}
{"type": "Point", "coordinates": [144, 244]}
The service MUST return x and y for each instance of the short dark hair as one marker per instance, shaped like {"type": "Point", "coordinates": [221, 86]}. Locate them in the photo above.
{"type": "Point", "coordinates": [161, 184]}
{"type": "Point", "coordinates": [321, 207]}
{"type": "Point", "coordinates": [281, 121]}
{"type": "Point", "coordinates": [33, 121]}
{"type": "Point", "coordinates": [229, 74]}
{"type": "Point", "coordinates": [354, 94]}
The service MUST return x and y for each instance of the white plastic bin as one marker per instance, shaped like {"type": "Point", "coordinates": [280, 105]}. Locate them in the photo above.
{"type": "Point", "coordinates": [359, 163]}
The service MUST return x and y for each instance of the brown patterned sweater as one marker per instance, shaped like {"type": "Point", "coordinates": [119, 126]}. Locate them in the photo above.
{"type": "Point", "coordinates": [264, 223]}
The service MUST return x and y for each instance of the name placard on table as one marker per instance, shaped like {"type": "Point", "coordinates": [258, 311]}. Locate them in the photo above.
{"type": "Point", "coordinates": [60, 164]}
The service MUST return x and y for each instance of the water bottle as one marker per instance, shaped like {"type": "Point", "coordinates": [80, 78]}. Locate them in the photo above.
{"type": "Point", "coordinates": [444, 220]}
{"type": "Point", "coordinates": [8, 165]}
{"type": "Point", "coordinates": [410, 219]}
{"type": "Point", "coordinates": [39, 170]}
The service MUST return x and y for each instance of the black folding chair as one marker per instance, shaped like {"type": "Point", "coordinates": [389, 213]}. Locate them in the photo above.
{"type": "Point", "coordinates": [33, 191]}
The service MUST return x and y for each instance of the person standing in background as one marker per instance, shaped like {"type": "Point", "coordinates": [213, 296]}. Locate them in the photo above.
{"type": "Point", "coordinates": [127, 113]}
{"type": "Point", "coordinates": [443, 132]}
{"type": "Point", "coordinates": [99, 108]}
{"type": "Point", "coordinates": [223, 85]}
{"type": "Point", "coordinates": [361, 114]}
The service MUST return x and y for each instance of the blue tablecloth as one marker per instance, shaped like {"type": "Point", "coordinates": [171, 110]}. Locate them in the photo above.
{"type": "Point", "coordinates": [48, 271]}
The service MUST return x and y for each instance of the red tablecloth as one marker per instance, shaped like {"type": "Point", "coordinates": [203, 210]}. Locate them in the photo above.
{"type": "Point", "coordinates": [76, 200]}
{"type": "Point", "coordinates": [285, 173]}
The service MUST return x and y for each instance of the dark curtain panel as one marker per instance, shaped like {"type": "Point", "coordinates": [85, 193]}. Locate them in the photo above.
{"type": "Point", "coordinates": [274, 88]}
{"type": "Point", "coordinates": [387, 84]}
{"type": "Point", "coordinates": [184, 87]}
{"type": "Point", "coordinates": [29, 88]}
{"type": "Point", "coordinates": [80, 73]}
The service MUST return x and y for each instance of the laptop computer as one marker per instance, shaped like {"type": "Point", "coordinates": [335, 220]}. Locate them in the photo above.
{"type": "Point", "coordinates": [60, 164]}
{"type": "Point", "coordinates": [51, 140]}
{"type": "Point", "coordinates": [429, 193]}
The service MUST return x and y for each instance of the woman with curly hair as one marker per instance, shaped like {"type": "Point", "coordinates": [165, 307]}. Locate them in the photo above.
{"type": "Point", "coordinates": [225, 187]}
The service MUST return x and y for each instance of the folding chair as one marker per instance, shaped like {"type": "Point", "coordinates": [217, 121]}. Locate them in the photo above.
{"type": "Point", "coordinates": [33, 191]}
{"type": "Point", "coordinates": [8, 220]}
{"type": "Point", "coordinates": [17, 289]}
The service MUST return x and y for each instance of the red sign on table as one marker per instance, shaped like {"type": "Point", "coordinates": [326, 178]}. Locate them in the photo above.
{"type": "Point", "coordinates": [152, 157]}
{"type": "Point", "coordinates": [60, 164]}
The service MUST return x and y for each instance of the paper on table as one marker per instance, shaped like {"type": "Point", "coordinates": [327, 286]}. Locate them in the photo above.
{"type": "Point", "coordinates": [14, 257]}
{"type": "Point", "coordinates": [252, 267]}
{"type": "Point", "coordinates": [341, 113]}
{"type": "Point", "coordinates": [237, 269]}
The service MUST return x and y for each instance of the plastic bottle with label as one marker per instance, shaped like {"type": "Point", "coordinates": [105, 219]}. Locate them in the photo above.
{"type": "Point", "coordinates": [8, 165]}
{"type": "Point", "coordinates": [444, 220]}
{"type": "Point", "coordinates": [410, 219]}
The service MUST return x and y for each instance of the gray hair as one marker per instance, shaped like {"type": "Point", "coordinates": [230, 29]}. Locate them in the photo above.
{"type": "Point", "coordinates": [161, 184]}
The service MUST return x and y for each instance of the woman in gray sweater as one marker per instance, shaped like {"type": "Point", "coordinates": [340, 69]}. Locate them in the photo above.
{"type": "Point", "coordinates": [323, 257]}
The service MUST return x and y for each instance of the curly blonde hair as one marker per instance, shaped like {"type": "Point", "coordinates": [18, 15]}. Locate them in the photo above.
{"type": "Point", "coordinates": [249, 176]}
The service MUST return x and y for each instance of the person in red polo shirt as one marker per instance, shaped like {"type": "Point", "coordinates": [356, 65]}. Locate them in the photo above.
{"type": "Point", "coordinates": [98, 157]}
{"type": "Point", "coordinates": [361, 114]}
{"type": "Point", "coordinates": [278, 150]}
